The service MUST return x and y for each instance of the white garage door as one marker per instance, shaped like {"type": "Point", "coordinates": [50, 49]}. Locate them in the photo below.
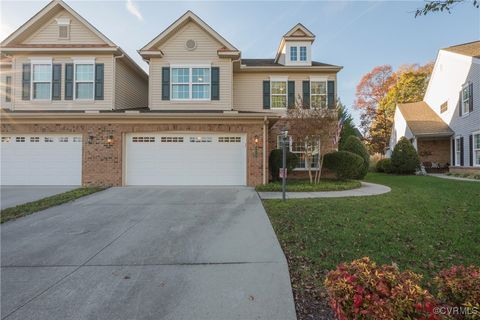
{"type": "Point", "coordinates": [185, 159]}
{"type": "Point", "coordinates": [41, 159]}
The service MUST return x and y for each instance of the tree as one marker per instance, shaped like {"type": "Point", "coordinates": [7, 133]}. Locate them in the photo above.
{"type": "Point", "coordinates": [310, 129]}
{"type": "Point", "coordinates": [441, 5]}
{"type": "Point", "coordinates": [370, 91]}
{"type": "Point", "coordinates": [348, 127]}
{"type": "Point", "coordinates": [404, 157]}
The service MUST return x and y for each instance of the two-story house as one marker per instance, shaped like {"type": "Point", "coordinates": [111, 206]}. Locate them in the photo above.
{"type": "Point", "coordinates": [77, 110]}
{"type": "Point", "coordinates": [445, 126]}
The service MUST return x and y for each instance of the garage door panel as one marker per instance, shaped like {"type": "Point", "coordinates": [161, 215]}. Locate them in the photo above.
{"type": "Point", "coordinates": [37, 162]}
{"type": "Point", "coordinates": [183, 162]}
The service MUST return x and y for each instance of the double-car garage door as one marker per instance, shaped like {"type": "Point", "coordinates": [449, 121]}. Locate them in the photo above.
{"type": "Point", "coordinates": [185, 159]}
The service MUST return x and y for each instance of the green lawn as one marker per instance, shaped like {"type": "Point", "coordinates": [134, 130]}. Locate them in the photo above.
{"type": "Point", "coordinates": [424, 224]}
{"type": "Point", "coordinates": [45, 203]}
{"type": "Point", "coordinates": [306, 186]}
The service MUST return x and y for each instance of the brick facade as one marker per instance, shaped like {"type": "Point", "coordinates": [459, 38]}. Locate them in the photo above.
{"type": "Point", "coordinates": [434, 150]}
{"type": "Point", "coordinates": [103, 161]}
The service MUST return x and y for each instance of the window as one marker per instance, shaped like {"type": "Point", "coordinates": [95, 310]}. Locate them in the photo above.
{"type": "Point", "coordinates": [466, 99]}
{"type": "Point", "coordinates": [77, 139]}
{"type": "Point", "coordinates": [84, 81]}
{"type": "Point", "coordinates": [6, 139]}
{"type": "Point", "coordinates": [8, 89]}
{"type": "Point", "coordinates": [190, 83]}
{"type": "Point", "coordinates": [476, 149]}
{"type": "Point", "coordinates": [200, 139]}
{"type": "Point", "coordinates": [458, 151]}
{"type": "Point", "coordinates": [42, 81]}
{"type": "Point", "coordinates": [34, 139]}
{"type": "Point", "coordinates": [318, 94]}
{"type": "Point", "coordinates": [278, 94]}
{"type": "Point", "coordinates": [171, 139]}
{"type": "Point", "coordinates": [303, 53]}
{"type": "Point", "coordinates": [293, 53]}
{"type": "Point", "coordinates": [63, 31]}
{"type": "Point", "coordinates": [229, 139]}
{"type": "Point", "coordinates": [143, 139]}
{"type": "Point", "coordinates": [63, 139]}
{"type": "Point", "coordinates": [20, 139]}
{"type": "Point", "coordinates": [444, 107]}
{"type": "Point", "coordinates": [299, 150]}
{"type": "Point", "coordinates": [48, 139]}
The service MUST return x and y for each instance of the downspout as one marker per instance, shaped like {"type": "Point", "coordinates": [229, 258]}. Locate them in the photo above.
{"type": "Point", "coordinates": [265, 147]}
{"type": "Point", "coordinates": [114, 84]}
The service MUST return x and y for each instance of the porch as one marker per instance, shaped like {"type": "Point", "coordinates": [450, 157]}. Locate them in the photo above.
{"type": "Point", "coordinates": [434, 153]}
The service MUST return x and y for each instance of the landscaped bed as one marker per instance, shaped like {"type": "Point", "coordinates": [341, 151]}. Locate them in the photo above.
{"type": "Point", "coordinates": [423, 224]}
{"type": "Point", "coordinates": [306, 186]}
{"type": "Point", "coordinates": [45, 203]}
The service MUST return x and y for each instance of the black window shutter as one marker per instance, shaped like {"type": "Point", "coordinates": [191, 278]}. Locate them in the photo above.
{"type": "Point", "coordinates": [69, 81]}
{"type": "Point", "coordinates": [215, 86]}
{"type": "Point", "coordinates": [56, 82]}
{"type": "Point", "coordinates": [461, 152]}
{"type": "Point", "coordinates": [26, 81]}
{"type": "Point", "coordinates": [331, 94]}
{"type": "Point", "coordinates": [266, 94]}
{"type": "Point", "coordinates": [291, 94]}
{"type": "Point", "coordinates": [470, 101]}
{"type": "Point", "coordinates": [471, 149]}
{"type": "Point", "coordinates": [99, 81]}
{"type": "Point", "coordinates": [460, 104]}
{"type": "Point", "coordinates": [306, 94]}
{"type": "Point", "coordinates": [453, 151]}
{"type": "Point", "coordinates": [165, 83]}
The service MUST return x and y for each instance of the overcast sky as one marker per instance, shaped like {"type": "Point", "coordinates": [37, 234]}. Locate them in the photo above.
{"type": "Point", "coordinates": [357, 35]}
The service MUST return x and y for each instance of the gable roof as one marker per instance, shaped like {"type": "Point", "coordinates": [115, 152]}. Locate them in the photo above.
{"type": "Point", "coordinates": [38, 19]}
{"type": "Point", "coordinates": [423, 121]}
{"type": "Point", "coordinates": [470, 49]}
{"type": "Point", "coordinates": [272, 63]}
{"type": "Point", "coordinates": [299, 27]}
{"type": "Point", "coordinates": [182, 21]}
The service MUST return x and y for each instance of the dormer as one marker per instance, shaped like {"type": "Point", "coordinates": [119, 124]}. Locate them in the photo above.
{"type": "Point", "coordinates": [296, 47]}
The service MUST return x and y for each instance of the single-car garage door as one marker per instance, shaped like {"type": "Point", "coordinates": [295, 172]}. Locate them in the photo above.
{"type": "Point", "coordinates": [41, 159]}
{"type": "Point", "coordinates": [185, 159]}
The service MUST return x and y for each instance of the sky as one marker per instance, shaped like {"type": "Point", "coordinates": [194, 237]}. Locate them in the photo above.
{"type": "Point", "coordinates": [357, 35]}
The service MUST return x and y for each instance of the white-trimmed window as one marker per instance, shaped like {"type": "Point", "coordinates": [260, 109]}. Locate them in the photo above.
{"type": "Point", "coordinates": [48, 139]}
{"type": "Point", "coordinates": [318, 93]}
{"type": "Point", "coordinates": [229, 139]}
{"type": "Point", "coordinates": [278, 93]}
{"type": "Point", "coordinates": [299, 150]}
{"type": "Point", "coordinates": [84, 79]}
{"type": "Point", "coordinates": [190, 83]}
{"type": "Point", "coordinates": [171, 139]}
{"type": "Point", "coordinates": [143, 139]}
{"type": "Point", "coordinates": [63, 28]}
{"type": "Point", "coordinates": [303, 53]}
{"type": "Point", "coordinates": [6, 139]}
{"type": "Point", "coordinates": [201, 139]}
{"type": "Point", "coordinates": [466, 99]}
{"type": "Point", "coordinates": [20, 139]}
{"type": "Point", "coordinates": [293, 53]}
{"type": "Point", "coordinates": [41, 79]}
{"type": "Point", "coordinates": [34, 139]}
{"type": "Point", "coordinates": [458, 151]}
{"type": "Point", "coordinates": [476, 148]}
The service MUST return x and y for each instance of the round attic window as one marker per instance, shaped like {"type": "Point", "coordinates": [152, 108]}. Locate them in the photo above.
{"type": "Point", "coordinates": [190, 44]}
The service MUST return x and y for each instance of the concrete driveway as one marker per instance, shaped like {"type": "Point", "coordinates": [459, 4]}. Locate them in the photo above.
{"type": "Point", "coordinates": [12, 196]}
{"type": "Point", "coordinates": [146, 253]}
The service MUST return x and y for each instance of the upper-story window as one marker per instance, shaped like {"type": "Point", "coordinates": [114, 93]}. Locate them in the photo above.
{"type": "Point", "coordinates": [293, 53]}
{"type": "Point", "coordinates": [466, 96]}
{"type": "Point", "coordinates": [84, 81]}
{"type": "Point", "coordinates": [303, 53]}
{"type": "Point", "coordinates": [318, 94]}
{"type": "Point", "coordinates": [191, 83]}
{"type": "Point", "coordinates": [278, 94]}
{"type": "Point", "coordinates": [63, 28]}
{"type": "Point", "coordinates": [42, 80]}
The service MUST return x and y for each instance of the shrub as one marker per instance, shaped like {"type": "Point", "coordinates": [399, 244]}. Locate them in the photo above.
{"type": "Point", "coordinates": [404, 157]}
{"type": "Point", "coordinates": [354, 145]}
{"type": "Point", "coordinates": [345, 165]}
{"type": "Point", "coordinates": [275, 162]}
{"type": "Point", "coordinates": [459, 286]}
{"type": "Point", "coordinates": [363, 290]}
{"type": "Point", "coordinates": [374, 160]}
{"type": "Point", "coordinates": [384, 165]}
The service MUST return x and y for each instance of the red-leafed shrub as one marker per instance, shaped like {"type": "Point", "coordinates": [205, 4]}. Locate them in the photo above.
{"type": "Point", "coordinates": [460, 286]}
{"type": "Point", "coordinates": [363, 290]}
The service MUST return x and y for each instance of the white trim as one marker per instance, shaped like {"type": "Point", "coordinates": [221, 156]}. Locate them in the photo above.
{"type": "Point", "coordinates": [319, 79]}
{"type": "Point", "coordinates": [63, 21]}
{"type": "Point", "coordinates": [40, 61]}
{"type": "Point", "coordinates": [83, 62]}
{"type": "Point", "coordinates": [279, 79]}
{"type": "Point", "coordinates": [458, 160]}
{"type": "Point", "coordinates": [36, 60]}
{"type": "Point", "coordinates": [190, 82]}
{"type": "Point", "coordinates": [462, 100]}
{"type": "Point", "coordinates": [473, 149]}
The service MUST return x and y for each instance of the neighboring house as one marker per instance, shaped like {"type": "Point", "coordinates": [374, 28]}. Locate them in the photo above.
{"type": "Point", "coordinates": [445, 126]}
{"type": "Point", "coordinates": [212, 118]}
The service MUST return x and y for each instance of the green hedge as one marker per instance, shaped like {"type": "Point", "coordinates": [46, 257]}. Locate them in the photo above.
{"type": "Point", "coordinates": [355, 145]}
{"type": "Point", "coordinates": [345, 164]}
{"type": "Point", "coordinates": [384, 165]}
{"type": "Point", "coordinates": [404, 157]}
{"type": "Point", "coordinates": [275, 162]}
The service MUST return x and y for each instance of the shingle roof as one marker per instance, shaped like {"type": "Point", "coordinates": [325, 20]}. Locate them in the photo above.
{"type": "Point", "coordinates": [56, 45]}
{"type": "Point", "coordinates": [423, 121]}
{"type": "Point", "coordinates": [272, 63]}
{"type": "Point", "coordinates": [471, 49]}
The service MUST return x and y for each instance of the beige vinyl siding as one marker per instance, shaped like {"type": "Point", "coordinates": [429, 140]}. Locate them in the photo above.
{"type": "Point", "coordinates": [106, 104]}
{"type": "Point", "coordinates": [5, 70]}
{"type": "Point", "coordinates": [48, 33]}
{"type": "Point", "coordinates": [248, 87]}
{"type": "Point", "coordinates": [131, 89]}
{"type": "Point", "coordinates": [205, 53]}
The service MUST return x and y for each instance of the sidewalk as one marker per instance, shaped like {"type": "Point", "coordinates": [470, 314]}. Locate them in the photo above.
{"type": "Point", "coordinates": [367, 189]}
{"type": "Point", "coordinates": [444, 176]}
